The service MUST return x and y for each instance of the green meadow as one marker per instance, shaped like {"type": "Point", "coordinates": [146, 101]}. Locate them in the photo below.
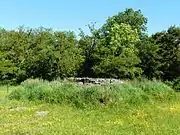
{"type": "Point", "coordinates": [133, 108]}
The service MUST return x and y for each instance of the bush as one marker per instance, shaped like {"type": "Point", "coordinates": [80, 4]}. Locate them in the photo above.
{"type": "Point", "coordinates": [17, 93]}
{"type": "Point", "coordinates": [169, 83]}
{"type": "Point", "coordinates": [157, 89]}
{"type": "Point", "coordinates": [176, 84]}
{"type": "Point", "coordinates": [133, 92]}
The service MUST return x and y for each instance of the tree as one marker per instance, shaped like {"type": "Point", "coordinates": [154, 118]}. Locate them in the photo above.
{"type": "Point", "coordinates": [169, 44]}
{"type": "Point", "coordinates": [53, 55]}
{"type": "Point", "coordinates": [131, 17]}
{"type": "Point", "coordinates": [150, 58]}
{"type": "Point", "coordinates": [102, 38]}
{"type": "Point", "coordinates": [7, 70]}
{"type": "Point", "coordinates": [38, 53]}
{"type": "Point", "coordinates": [67, 54]}
{"type": "Point", "coordinates": [118, 59]}
{"type": "Point", "coordinates": [87, 44]}
{"type": "Point", "coordinates": [39, 58]}
{"type": "Point", "coordinates": [12, 48]}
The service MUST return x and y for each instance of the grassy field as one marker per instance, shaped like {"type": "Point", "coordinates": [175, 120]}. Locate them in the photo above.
{"type": "Point", "coordinates": [20, 117]}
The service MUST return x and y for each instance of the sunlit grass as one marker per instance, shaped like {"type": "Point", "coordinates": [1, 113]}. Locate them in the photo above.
{"type": "Point", "coordinates": [146, 119]}
{"type": "Point", "coordinates": [156, 118]}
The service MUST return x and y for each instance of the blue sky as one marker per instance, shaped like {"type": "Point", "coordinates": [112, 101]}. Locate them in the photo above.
{"type": "Point", "coordinates": [74, 14]}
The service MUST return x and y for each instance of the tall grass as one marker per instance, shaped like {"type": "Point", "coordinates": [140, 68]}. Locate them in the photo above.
{"type": "Point", "coordinates": [176, 84]}
{"type": "Point", "coordinates": [133, 92]}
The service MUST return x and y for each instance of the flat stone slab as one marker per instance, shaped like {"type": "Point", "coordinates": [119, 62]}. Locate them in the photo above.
{"type": "Point", "coordinates": [20, 108]}
{"type": "Point", "coordinates": [42, 113]}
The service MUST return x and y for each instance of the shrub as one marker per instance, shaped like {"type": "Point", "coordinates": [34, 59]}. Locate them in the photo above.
{"type": "Point", "coordinates": [169, 83]}
{"type": "Point", "coordinates": [133, 92]}
{"type": "Point", "coordinates": [17, 93]}
{"type": "Point", "coordinates": [176, 84]}
{"type": "Point", "coordinates": [155, 88]}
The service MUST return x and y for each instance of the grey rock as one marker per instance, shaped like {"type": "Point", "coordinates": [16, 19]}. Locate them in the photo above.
{"type": "Point", "coordinates": [42, 113]}
{"type": "Point", "coordinates": [20, 108]}
{"type": "Point", "coordinates": [97, 81]}
{"type": "Point", "coordinates": [80, 83]}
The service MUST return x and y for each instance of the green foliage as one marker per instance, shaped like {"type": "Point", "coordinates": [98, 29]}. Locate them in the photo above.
{"type": "Point", "coordinates": [169, 52]}
{"type": "Point", "coordinates": [118, 49]}
{"type": "Point", "coordinates": [68, 54]}
{"type": "Point", "coordinates": [133, 92]}
{"type": "Point", "coordinates": [130, 17]}
{"type": "Point", "coordinates": [159, 54]}
{"type": "Point", "coordinates": [88, 44]}
{"type": "Point", "coordinates": [10, 56]}
{"type": "Point", "coordinates": [158, 89]}
{"type": "Point", "coordinates": [150, 58]}
{"type": "Point", "coordinates": [176, 84]}
{"type": "Point", "coordinates": [38, 53]}
{"type": "Point", "coordinates": [118, 58]}
{"type": "Point", "coordinates": [110, 50]}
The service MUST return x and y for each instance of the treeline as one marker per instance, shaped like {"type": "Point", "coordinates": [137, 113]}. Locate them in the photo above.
{"type": "Point", "coordinates": [121, 48]}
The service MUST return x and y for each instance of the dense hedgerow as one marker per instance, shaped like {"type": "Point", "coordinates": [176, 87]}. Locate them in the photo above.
{"type": "Point", "coordinates": [132, 92]}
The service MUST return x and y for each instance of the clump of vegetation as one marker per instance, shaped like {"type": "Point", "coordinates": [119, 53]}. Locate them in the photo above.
{"type": "Point", "coordinates": [176, 84]}
{"type": "Point", "coordinates": [132, 92]}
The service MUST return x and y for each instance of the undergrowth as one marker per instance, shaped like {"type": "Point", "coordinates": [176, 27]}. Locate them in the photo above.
{"type": "Point", "coordinates": [131, 92]}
